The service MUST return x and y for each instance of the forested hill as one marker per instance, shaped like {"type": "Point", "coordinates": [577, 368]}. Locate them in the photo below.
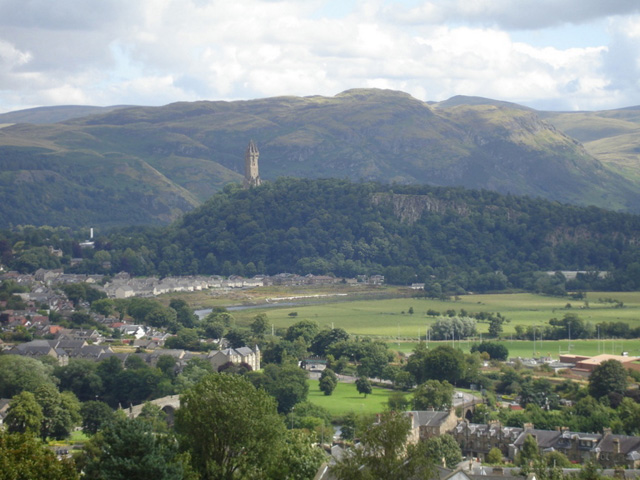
{"type": "Point", "coordinates": [462, 239]}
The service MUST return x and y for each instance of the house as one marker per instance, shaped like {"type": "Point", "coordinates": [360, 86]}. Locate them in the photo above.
{"type": "Point", "coordinates": [618, 450]}
{"type": "Point", "coordinates": [40, 348]}
{"type": "Point", "coordinates": [240, 355]}
{"type": "Point", "coordinates": [476, 440]}
{"type": "Point", "coordinates": [137, 331]}
{"type": "Point", "coordinates": [430, 423]}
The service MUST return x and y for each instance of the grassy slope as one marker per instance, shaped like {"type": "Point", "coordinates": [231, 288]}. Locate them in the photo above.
{"type": "Point", "coordinates": [612, 136]}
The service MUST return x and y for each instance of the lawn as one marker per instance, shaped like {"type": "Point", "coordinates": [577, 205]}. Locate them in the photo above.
{"type": "Point", "coordinates": [345, 398]}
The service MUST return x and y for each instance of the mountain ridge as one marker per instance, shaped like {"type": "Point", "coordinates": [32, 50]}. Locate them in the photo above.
{"type": "Point", "coordinates": [195, 148]}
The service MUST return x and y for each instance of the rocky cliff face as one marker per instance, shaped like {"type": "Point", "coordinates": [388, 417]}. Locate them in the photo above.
{"type": "Point", "coordinates": [409, 208]}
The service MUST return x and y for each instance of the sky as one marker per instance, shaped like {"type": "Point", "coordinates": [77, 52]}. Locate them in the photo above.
{"type": "Point", "coordinates": [546, 54]}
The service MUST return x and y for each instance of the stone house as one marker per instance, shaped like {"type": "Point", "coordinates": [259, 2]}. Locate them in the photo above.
{"type": "Point", "coordinates": [430, 423]}
{"type": "Point", "coordinates": [476, 440]}
{"type": "Point", "coordinates": [618, 450]}
{"type": "Point", "coordinates": [250, 356]}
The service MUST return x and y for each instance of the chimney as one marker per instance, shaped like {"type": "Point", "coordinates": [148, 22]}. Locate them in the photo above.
{"type": "Point", "coordinates": [528, 426]}
{"type": "Point", "coordinates": [616, 445]}
{"type": "Point", "coordinates": [606, 431]}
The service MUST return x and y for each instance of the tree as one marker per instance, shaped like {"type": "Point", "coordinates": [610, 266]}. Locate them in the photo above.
{"type": "Point", "coordinates": [95, 416]}
{"type": "Point", "coordinates": [61, 412]}
{"type": "Point", "coordinates": [529, 452]}
{"type": "Point", "coordinates": [260, 325]}
{"type": "Point", "coordinates": [433, 394]}
{"type": "Point", "coordinates": [494, 457]}
{"type": "Point", "coordinates": [307, 329]}
{"type": "Point", "coordinates": [443, 447]}
{"type": "Point", "coordinates": [80, 377]}
{"type": "Point", "coordinates": [24, 456]}
{"type": "Point", "coordinates": [495, 350]}
{"type": "Point", "coordinates": [440, 363]}
{"type": "Point", "coordinates": [127, 449]}
{"type": "Point", "coordinates": [237, 338]}
{"type": "Point", "coordinates": [383, 452]}
{"type": "Point", "coordinates": [230, 428]}
{"type": "Point", "coordinates": [184, 314]}
{"type": "Point", "coordinates": [287, 384]}
{"type": "Point", "coordinates": [629, 413]}
{"type": "Point", "coordinates": [398, 402]}
{"type": "Point", "coordinates": [556, 459]}
{"type": "Point", "coordinates": [24, 414]}
{"type": "Point", "coordinates": [324, 339]}
{"type": "Point", "coordinates": [186, 339]}
{"type": "Point", "coordinates": [328, 381]}
{"type": "Point", "coordinates": [609, 376]}
{"type": "Point", "coordinates": [155, 417]}
{"type": "Point", "coordinates": [299, 459]}
{"type": "Point", "coordinates": [18, 373]}
{"type": "Point", "coordinates": [363, 385]}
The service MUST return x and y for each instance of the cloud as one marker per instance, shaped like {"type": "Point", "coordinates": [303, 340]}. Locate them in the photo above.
{"type": "Point", "coordinates": [158, 51]}
{"type": "Point", "coordinates": [507, 14]}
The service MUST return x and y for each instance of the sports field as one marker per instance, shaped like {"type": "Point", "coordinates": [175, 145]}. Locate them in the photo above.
{"type": "Point", "coordinates": [389, 319]}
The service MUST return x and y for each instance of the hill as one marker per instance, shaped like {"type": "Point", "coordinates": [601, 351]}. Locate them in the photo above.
{"type": "Point", "coordinates": [612, 136]}
{"type": "Point", "coordinates": [463, 240]}
{"type": "Point", "coordinates": [142, 164]}
{"type": "Point", "coordinates": [42, 115]}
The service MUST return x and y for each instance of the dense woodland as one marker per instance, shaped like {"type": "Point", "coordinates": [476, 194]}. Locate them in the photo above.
{"type": "Point", "coordinates": [454, 240]}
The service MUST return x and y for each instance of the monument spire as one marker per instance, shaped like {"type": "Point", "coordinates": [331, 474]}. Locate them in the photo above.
{"type": "Point", "coordinates": [251, 175]}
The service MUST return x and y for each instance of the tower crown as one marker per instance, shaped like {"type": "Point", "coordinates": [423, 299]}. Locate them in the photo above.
{"type": "Point", "coordinates": [251, 175]}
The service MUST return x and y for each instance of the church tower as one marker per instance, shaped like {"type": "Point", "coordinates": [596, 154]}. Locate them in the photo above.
{"type": "Point", "coordinates": [251, 176]}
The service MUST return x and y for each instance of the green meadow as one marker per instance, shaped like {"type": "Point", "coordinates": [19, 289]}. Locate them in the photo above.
{"type": "Point", "coordinates": [390, 320]}
{"type": "Point", "coordinates": [345, 398]}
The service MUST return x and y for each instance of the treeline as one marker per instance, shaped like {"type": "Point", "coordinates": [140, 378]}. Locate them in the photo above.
{"type": "Point", "coordinates": [461, 240]}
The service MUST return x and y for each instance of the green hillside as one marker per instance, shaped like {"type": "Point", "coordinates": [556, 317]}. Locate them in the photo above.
{"type": "Point", "coordinates": [612, 136]}
{"type": "Point", "coordinates": [454, 240]}
{"type": "Point", "coordinates": [149, 164]}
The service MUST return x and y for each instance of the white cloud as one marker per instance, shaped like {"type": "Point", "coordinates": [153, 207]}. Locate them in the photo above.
{"type": "Point", "coordinates": [159, 51]}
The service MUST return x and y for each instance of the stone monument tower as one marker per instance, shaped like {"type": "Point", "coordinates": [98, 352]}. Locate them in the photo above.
{"type": "Point", "coordinates": [251, 176]}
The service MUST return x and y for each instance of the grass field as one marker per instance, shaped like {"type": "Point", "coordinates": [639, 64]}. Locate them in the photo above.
{"type": "Point", "coordinates": [345, 398]}
{"type": "Point", "coordinates": [553, 348]}
{"type": "Point", "coordinates": [384, 318]}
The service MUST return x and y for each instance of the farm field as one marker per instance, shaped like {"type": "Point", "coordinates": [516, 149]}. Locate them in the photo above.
{"type": "Point", "coordinates": [389, 320]}
{"type": "Point", "coordinates": [345, 398]}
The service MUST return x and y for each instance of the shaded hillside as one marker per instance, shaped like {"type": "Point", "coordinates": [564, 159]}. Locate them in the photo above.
{"type": "Point", "coordinates": [193, 149]}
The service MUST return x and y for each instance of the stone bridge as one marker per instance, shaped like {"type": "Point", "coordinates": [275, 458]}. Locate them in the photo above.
{"type": "Point", "coordinates": [467, 405]}
{"type": "Point", "coordinates": [168, 405]}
